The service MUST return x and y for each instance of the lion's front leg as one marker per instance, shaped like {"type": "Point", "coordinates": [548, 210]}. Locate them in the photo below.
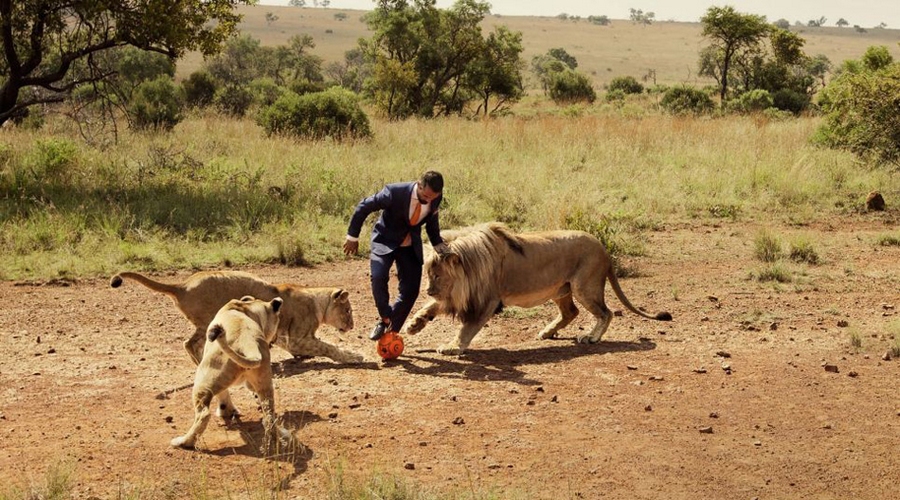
{"type": "Point", "coordinates": [315, 347]}
{"type": "Point", "coordinates": [465, 335]}
{"type": "Point", "coordinates": [421, 318]}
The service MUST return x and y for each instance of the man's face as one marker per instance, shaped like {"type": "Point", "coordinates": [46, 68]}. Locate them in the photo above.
{"type": "Point", "coordinates": [425, 194]}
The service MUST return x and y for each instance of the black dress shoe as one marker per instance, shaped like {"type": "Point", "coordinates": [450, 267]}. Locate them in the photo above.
{"type": "Point", "coordinates": [378, 331]}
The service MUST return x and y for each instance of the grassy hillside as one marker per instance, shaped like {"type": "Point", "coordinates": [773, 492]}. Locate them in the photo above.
{"type": "Point", "coordinates": [623, 48]}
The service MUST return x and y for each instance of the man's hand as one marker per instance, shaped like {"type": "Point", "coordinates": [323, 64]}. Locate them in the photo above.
{"type": "Point", "coordinates": [441, 248]}
{"type": "Point", "coordinates": [351, 247]}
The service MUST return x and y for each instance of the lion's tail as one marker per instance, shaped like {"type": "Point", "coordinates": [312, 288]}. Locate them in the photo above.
{"type": "Point", "coordinates": [216, 332]}
{"type": "Point", "coordinates": [172, 290]}
{"type": "Point", "coordinates": [661, 316]}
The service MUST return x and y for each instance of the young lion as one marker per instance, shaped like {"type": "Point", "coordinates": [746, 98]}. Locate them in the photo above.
{"type": "Point", "coordinates": [201, 296]}
{"type": "Point", "coordinates": [237, 352]}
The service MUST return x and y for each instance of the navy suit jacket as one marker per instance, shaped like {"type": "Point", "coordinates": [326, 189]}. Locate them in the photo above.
{"type": "Point", "coordinates": [393, 225]}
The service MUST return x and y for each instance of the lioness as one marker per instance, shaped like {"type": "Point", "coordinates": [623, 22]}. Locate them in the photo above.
{"type": "Point", "coordinates": [237, 352]}
{"type": "Point", "coordinates": [488, 267]}
{"type": "Point", "coordinates": [201, 296]}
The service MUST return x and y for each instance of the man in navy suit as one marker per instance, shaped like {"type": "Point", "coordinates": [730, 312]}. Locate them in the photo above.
{"type": "Point", "coordinates": [397, 238]}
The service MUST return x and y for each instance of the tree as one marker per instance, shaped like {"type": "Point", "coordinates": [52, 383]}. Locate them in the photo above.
{"type": "Point", "coordinates": [782, 23]}
{"type": "Point", "coordinates": [731, 32]}
{"type": "Point", "coordinates": [841, 23]}
{"type": "Point", "coordinates": [271, 18]}
{"type": "Point", "coordinates": [599, 20]}
{"type": "Point", "coordinates": [497, 71]}
{"type": "Point", "coordinates": [560, 54]}
{"type": "Point", "coordinates": [297, 3]}
{"type": "Point", "coordinates": [638, 16]}
{"type": "Point", "coordinates": [421, 55]}
{"type": "Point", "coordinates": [46, 43]}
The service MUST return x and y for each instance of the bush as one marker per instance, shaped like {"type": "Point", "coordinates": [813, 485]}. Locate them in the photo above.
{"type": "Point", "coordinates": [199, 89]}
{"type": "Point", "coordinates": [683, 99]}
{"type": "Point", "coordinates": [753, 101]}
{"type": "Point", "coordinates": [790, 100]}
{"type": "Point", "coordinates": [861, 114]}
{"type": "Point", "coordinates": [52, 159]}
{"type": "Point", "coordinates": [615, 96]}
{"type": "Point", "coordinates": [233, 100]}
{"type": "Point", "coordinates": [569, 86]}
{"type": "Point", "coordinates": [332, 113]}
{"type": "Point", "coordinates": [265, 91]}
{"type": "Point", "coordinates": [156, 104]}
{"type": "Point", "coordinates": [626, 84]}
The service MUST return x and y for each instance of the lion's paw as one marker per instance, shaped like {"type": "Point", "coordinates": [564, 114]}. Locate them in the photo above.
{"type": "Point", "coordinates": [586, 339]}
{"type": "Point", "coordinates": [415, 326]}
{"type": "Point", "coordinates": [449, 350]}
{"type": "Point", "coordinates": [227, 412]}
{"type": "Point", "coordinates": [547, 334]}
{"type": "Point", "coordinates": [182, 442]}
{"type": "Point", "coordinates": [350, 357]}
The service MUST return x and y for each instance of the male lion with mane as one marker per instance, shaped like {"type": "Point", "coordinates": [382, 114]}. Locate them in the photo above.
{"type": "Point", "coordinates": [489, 266]}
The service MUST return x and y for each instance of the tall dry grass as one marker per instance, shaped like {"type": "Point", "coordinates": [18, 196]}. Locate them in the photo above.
{"type": "Point", "coordinates": [219, 192]}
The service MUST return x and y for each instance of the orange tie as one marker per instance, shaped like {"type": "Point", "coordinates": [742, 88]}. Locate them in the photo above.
{"type": "Point", "coordinates": [412, 222]}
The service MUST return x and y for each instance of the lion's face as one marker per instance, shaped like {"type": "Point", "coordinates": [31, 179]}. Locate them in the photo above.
{"type": "Point", "coordinates": [339, 313]}
{"type": "Point", "coordinates": [442, 272]}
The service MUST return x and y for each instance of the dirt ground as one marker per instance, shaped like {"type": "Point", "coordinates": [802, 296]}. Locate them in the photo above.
{"type": "Point", "coordinates": [753, 391]}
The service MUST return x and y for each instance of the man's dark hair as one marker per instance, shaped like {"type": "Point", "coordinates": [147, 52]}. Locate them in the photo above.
{"type": "Point", "coordinates": [434, 180]}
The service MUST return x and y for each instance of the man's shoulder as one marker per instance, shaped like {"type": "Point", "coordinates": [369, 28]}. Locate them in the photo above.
{"type": "Point", "coordinates": [399, 186]}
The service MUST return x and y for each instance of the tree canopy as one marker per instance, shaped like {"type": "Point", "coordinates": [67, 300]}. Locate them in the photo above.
{"type": "Point", "coordinates": [50, 47]}
{"type": "Point", "coordinates": [730, 32]}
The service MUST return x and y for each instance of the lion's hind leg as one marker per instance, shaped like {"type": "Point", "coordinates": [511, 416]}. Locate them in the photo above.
{"type": "Point", "coordinates": [201, 400]}
{"type": "Point", "coordinates": [194, 345]}
{"type": "Point", "coordinates": [595, 304]}
{"type": "Point", "coordinates": [261, 384]}
{"type": "Point", "coordinates": [567, 312]}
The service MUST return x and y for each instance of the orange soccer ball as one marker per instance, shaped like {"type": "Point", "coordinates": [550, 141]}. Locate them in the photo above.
{"type": "Point", "coordinates": [390, 346]}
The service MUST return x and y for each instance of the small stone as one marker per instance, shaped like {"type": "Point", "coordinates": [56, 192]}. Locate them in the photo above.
{"type": "Point", "coordinates": [458, 421]}
{"type": "Point", "coordinates": [843, 323]}
{"type": "Point", "coordinates": [887, 356]}
{"type": "Point", "coordinates": [657, 378]}
{"type": "Point", "coordinates": [724, 354]}
{"type": "Point", "coordinates": [409, 466]}
{"type": "Point", "coordinates": [831, 368]}
{"type": "Point", "coordinates": [852, 374]}
{"type": "Point", "coordinates": [773, 326]}
{"type": "Point", "coordinates": [333, 415]}
{"type": "Point", "coordinates": [706, 430]}
{"type": "Point", "coordinates": [827, 426]}
{"type": "Point", "coordinates": [757, 443]}
{"type": "Point", "coordinates": [714, 415]}
{"type": "Point", "coordinates": [631, 367]}
{"type": "Point", "coordinates": [700, 370]}
{"type": "Point", "coordinates": [648, 408]}
{"type": "Point", "coordinates": [554, 399]}
{"type": "Point", "coordinates": [169, 420]}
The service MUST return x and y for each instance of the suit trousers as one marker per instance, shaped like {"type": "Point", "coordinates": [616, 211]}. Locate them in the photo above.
{"type": "Point", "coordinates": [409, 274]}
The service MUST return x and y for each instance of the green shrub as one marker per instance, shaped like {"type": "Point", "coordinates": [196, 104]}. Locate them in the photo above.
{"type": "Point", "coordinates": [199, 89]}
{"type": "Point", "coordinates": [684, 100]}
{"type": "Point", "coordinates": [861, 114]}
{"type": "Point", "coordinates": [156, 104]}
{"type": "Point", "coordinates": [333, 113]}
{"type": "Point", "coordinates": [265, 91]}
{"type": "Point", "coordinates": [627, 84]}
{"type": "Point", "coordinates": [803, 251]}
{"type": "Point", "coordinates": [753, 101]}
{"type": "Point", "coordinates": [767, 247]}
{"type": "Point", "coordinates": [790, 100]}
{"type": "Point", "coordinates": [616, 96]}
{"type": "Point", "coordinates": [570, 86]}
{"type": "Point", "coordinates": [52, 159]}
{"type": "Point", "coordinates": [233, 100]}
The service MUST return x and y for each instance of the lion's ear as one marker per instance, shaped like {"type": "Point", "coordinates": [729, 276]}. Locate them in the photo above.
{"type": "Point", "coordinates": [339, 293]}
{"type": "Point", "coordinates": [451, 258]}
{"type": "Point", "coordinates": [276, 304]}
